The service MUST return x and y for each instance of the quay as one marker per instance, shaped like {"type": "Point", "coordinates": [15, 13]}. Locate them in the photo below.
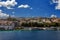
{"type": "Point", "coordinates": [41, 28]}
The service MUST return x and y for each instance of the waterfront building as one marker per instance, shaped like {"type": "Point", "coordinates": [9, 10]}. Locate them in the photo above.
{"type": "Point", "coordinates": [6, 24]}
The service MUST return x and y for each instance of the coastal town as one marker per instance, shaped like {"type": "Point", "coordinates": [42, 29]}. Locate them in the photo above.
{"type": "Point", "coordinates": [32, 23]}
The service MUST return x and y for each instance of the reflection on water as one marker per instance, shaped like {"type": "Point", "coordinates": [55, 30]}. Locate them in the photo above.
{"type": "Point", "coordinates": [30, 35]}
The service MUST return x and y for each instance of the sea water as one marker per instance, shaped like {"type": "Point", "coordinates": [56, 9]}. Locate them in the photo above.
{"type": "Point", "coordinates": [30, 35]}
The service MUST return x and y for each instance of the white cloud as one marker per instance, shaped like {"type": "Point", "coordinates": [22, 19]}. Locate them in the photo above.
{"type": "Point", "coordinates": [53, 16]}
{"type": "Point", "coordinates": [3, 15]}
{"type": "Point", "coordinates": [8, 4]}
{"type": "Point", "coordinates": [9, 8]}
{"type": "Point", "coordinates": [24, 6]}
{"type": "Point", "coordinates": [13, 12]}
{"type": "Point", "coordinates": [55, 1]}
{"type": "Point", "coordinates": [58, 4]}
{"type": "Point", "coordinates": [0, 0]}
{"type": "Point", "coordinates": [12, 15]}
{"type": "Point", "coordinates": [31, 8]}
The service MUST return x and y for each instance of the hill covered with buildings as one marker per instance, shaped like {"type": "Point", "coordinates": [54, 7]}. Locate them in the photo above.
{"type": "Point", "coordinates": [12, 23]}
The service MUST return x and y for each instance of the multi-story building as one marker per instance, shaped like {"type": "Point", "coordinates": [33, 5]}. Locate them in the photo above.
{"type": "Point", "coordinates": [6, 24]}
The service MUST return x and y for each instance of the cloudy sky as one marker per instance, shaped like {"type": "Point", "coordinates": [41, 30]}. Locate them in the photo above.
{"type": "Point", "coordinates": [29, 8]}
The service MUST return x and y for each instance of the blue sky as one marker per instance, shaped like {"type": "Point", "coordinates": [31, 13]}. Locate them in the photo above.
{"type": "Point", "coordinates": [28, 8]}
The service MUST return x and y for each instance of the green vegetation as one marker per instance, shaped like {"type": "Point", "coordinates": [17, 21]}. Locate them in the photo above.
{"type": "Point", "coordinates": [35, 24]}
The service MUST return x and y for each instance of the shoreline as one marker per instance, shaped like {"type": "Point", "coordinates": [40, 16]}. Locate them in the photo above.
{"type": "Point", "coordinates": [34, 28]}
